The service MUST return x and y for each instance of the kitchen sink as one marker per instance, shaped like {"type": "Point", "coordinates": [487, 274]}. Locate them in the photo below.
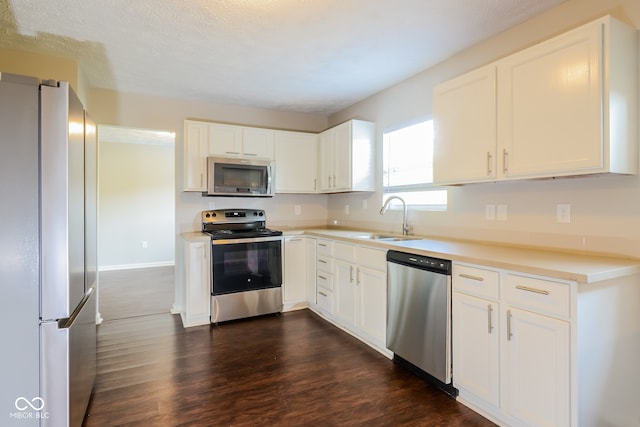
{"type": "Point", "coordinates": [386, 238]}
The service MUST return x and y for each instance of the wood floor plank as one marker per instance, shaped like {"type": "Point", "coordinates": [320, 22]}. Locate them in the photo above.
{"type": "Point", "coordinates": [293, 369]}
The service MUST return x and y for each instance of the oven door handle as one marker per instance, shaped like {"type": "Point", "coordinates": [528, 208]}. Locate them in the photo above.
{"type": "Point", "coordinates": [245, 240]}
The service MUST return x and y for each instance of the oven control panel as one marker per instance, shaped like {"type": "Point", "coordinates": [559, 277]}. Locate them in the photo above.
{"type": "Point", "coordinates": [231, 216]}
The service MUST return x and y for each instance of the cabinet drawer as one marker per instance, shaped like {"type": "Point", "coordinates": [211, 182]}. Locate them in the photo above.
{"type": "Point", "coordinates": [324, 280]}
{"type": "Point", "coordinates": [324, 264]}
{"type": "Point", "coordinates": [324, 300]}
{"type": "Point", "coordinates": [324, 247]}
{"type": "Point", "coordinates": [344, 252]}
{"type": "Point", "coordinates": [372, 258]}
{"type": "Point", "coordinates": [539, 295]}
{"type": "Point", "coordinates": [476, 281]}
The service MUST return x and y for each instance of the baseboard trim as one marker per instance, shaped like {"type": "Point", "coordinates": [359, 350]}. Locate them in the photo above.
{"type": "Point", "coordinates": [134, 266]}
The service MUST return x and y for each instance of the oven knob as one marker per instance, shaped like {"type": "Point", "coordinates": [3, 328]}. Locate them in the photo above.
{"type": "Point", "coordinates": [207, 215]}
{"type": "Point", "coordinates": [261, 213]}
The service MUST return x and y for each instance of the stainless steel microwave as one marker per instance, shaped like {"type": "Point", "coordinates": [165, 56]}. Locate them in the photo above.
{"type": "Point", "coordinates": [239, 177]}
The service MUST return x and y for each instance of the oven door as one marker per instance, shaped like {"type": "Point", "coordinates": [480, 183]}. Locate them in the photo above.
{"type": "Point", "coordinates": [240, 265]}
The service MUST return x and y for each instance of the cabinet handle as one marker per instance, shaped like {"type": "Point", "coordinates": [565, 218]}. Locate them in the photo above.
{"type": "Point", "coordinates": [322, 261]}
{"type": "Point", "coordinates": [322, 277]}
{"type": "Point", "coordinates": [351, 274]}
{"type": "Point", "coordinates": [233, 152]}
{"type": "Point", "coordinates": [490, 316]}
{"type": "Point", "coordinates": [470, 277]}
{"type": "Point", "coordinates": [534, 290]}
{"type": "Point", "coordinates": [201, 179]}
{"type": "Point", "coordinates": [489, 163]}
{"type": "Point", "coordinates": [329, 181]}
{"type": "Point", "coordinates": [358, 276]}
{"type": "Point", "coordinates": [295, 239]}
{"type": "Point", "coordinates": [322, 244]}
{"type": "Point", "coordinates": [509, 334]}
{"type": "Point", "coordinates": [322, 293]}
{"type": "Point", "coordinates": [251, 154]}
{"type": "Point", "coordinates": [334, 181]}
{"type": "Point", "coordinates": [505, 161]}
{"type": "Point", "coordinates": [315, 184]}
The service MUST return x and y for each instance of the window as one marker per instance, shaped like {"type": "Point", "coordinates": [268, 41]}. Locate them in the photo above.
{"type": "Point", "coordinates": [408, 166]}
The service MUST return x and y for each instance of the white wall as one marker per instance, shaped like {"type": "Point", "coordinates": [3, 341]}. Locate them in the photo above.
{"type": "Point", "coordinates": [605, 211]}
{"type": "Point", "coordinates": [136, 204]}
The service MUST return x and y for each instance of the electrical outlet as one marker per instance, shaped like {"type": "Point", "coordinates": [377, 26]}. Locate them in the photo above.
{"type": "Point", "coordinates": [297, 209]}
{"type": "Point", "coordinates": [365, 204]}
{"type": "Point", "coordinates": [490, 212]}
{"type": "Point", "coordinates": [346, 209]}
{"type": "Point", "coordinates": [145, 244]}
{"type": "Point", "coordinates": [563, 213]}
{"type": "Point", "coordinates": [501, 213]}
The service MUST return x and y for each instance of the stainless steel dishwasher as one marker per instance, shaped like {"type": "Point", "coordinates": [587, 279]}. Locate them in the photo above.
{"type": "Point", "coordinates": [419, 312]}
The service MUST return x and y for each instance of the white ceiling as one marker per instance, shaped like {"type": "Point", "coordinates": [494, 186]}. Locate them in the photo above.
{"type": "Point", "coordinates": [315, 56]}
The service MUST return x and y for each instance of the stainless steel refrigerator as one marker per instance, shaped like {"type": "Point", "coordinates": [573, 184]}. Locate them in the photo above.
{"type": "Point", "coordinates": [48, 262]}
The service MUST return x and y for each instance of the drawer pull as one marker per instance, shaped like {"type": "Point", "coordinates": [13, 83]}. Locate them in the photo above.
{"type": "Point", "coordinates": [509, 334]}
{"type": "Point", "coordinates": [470, 277]}
{"type": "Point", "coordinates": [324, 245]}
{"type": "Point", "coordinates": [534, 290]}
{"type": "Point", "coordinates": [322, 261]}
{"type": "Point", "coordinates": [322, 277]}
{"type": "Point", "coordinates": [323, 294]}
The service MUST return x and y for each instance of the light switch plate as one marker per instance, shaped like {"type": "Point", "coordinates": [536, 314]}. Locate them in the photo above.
{"type": "Point", "coordinates": [563, 213]}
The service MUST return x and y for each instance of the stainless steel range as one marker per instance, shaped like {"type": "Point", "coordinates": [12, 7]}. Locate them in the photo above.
{"type": "Point", "coordinates": [246, 262]}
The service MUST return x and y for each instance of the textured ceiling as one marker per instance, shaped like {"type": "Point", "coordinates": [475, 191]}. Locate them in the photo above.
{"type": "Point", "coordinates": [315, 56]}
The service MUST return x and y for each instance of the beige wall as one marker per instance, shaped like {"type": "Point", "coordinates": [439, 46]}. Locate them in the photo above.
{"type": "Point", "coordinates": [44, 67]}
{"type": "Point", "coordinates": [605, 211]}
{"type": "Point", "coordinates": [141, 111]}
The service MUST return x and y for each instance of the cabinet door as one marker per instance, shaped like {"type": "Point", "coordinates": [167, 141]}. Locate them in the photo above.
{"type": "Point", "coordinates": [325, 160]}
{"type": "Point", "coordinates": [465, 128]}
{"type": "Point", "coordinates": [346, 292]}
{"type": "Point", "coordinates": [372, 288]}
{"type": "Point", "coordinates": [197, 284]}
{"type": "Point", "coordinates": [476, 358]}
{"type": "Point", "coordinates": [296, 155]}
{"type": "Point", "coordinates": [196, 145]}
{"type": "Point", "coordinates": [295, 270]}
{"type": "Point", "coordinates": [342, 157]}
{"type": "Point", "coordinates": [537, 369]}
{"type": "Point", "coordinates": [225, 140]}
{"type": "Point", "coordinates": [257, 143]}
{"type": "Point", "coordinates": [550, 107]}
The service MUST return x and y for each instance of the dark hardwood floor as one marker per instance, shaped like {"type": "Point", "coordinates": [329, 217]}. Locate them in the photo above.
{"type": "Point", "coordinates": [293, 369]}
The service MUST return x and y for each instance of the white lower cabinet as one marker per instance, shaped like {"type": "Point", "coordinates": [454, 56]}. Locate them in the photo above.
{"type": "Point", "coordinates": [193, 290]}
{"type": "Point", "coordinates": [351, 284]}
{"type": "Point", "coordinates": [512, 345]}
{"type": "Point", "coordinates": [298, 271]}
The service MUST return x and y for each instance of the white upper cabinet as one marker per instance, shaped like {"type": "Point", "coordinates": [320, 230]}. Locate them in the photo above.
{"type": "Point", "coordinates": [196, 146]}
{"type": "Point", "coordinates": [346, 157]}
{"type": "Point", "coordinates": [563, 107]}
{"type": "Point", "coordinates": [239, 141]}
{"type": "Point", "coordinates": [465, 128]}
{"type": "Point", "coordinates": [296, 156]}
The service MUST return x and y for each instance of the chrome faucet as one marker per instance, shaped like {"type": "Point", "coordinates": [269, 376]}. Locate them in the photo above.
{"type": "Point", "coordinates": [405, 226]}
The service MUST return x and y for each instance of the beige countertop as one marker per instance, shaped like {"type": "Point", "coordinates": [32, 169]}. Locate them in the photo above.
{"type": "Point", "coordinates": [582, 268]}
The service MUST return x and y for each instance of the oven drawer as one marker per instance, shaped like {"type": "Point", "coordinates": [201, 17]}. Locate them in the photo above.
{"type": "Point", "coordinates": [324, 280]}
{"type": "Point", "coordinates": [324, 247]}
{"type": "Point", "coordinates": [539, 295]}
{"type": "Point", "coordinates": [324, 264]}
{"type": "Point", "coordinates": [324, 300]}
{"type": "Point", "coordinates": [476, 281]}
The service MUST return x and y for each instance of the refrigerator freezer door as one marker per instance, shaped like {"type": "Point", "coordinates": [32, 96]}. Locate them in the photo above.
{"type": "Point", "coordinates": [68, 365]}
{"type": "Point", "coordinates": [62, 193]}
{"type": "Point", "coordinates": [19, 245]}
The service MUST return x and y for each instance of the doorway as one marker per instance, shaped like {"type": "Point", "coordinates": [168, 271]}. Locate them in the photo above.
{"type": "Point", "coordinates": [136, 220]}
